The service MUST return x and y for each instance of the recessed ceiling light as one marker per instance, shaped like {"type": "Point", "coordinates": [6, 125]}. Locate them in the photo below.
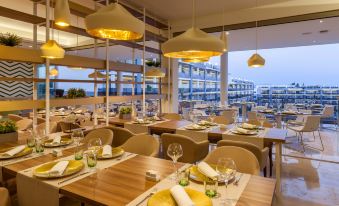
{"type": "Point", "coordinates": [314, 41]}
{"type": "Point", "coordinates": [227, 33]}
{"type": "Point", "coordinates": [321, 21]}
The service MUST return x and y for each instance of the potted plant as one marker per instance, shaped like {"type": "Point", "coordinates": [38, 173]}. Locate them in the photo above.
{"type": "Point", "coordinates": [8, 131]}
{"type": "Point", "coordinates": [76, 93]}
{"type": "Point", "coordinates": [9, 39]}
{"type": "Point", "coordinates": [125, 113]}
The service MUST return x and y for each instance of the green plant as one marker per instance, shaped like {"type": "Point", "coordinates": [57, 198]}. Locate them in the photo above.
{"type": "Point", "coordinates": [75, 93]}
{"type": "Point", "coordinates": [125, 110]}
{"type": "Point", "coordinates": [9, 39]}
{"type": "Point", "coordinates": [7, 126]}
{"type": "Point", "coordinates": [157, 64]}
{"type": "Point", "coordinates": [149, 63]}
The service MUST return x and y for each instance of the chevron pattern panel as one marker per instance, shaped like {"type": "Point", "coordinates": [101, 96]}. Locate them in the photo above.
{"type": "Point", "coordinates": [12, 88]}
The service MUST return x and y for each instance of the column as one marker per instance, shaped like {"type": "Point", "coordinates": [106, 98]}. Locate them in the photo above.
{"type": "Point", "coordinates": [175, 85]}
{"type": "Point", "coordinates": [166, 88]}
{"type": "Point", "coordinates": [119, 86]}
{"type": "Point", "coordinates": [224, 79]}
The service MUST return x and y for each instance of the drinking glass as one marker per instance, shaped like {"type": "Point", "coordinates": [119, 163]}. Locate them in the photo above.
{"type": "Point", "coordinates": [39, 146]}
{"type": "Point", "coordinates": [77, 136]}
{"type": "Point", "coordinates": [183, 178]}
{"type": "Point", "coordinates": [235, 117]}
{"type": "Point", "coordinates": [261, 118]}
{"type": "Point", "coordinates": [226, 169]}
{"type": "Point", "coordinates": [94, 145]}
{"type": "Point", "coordinates": [174, 151]}
{"type": "Point", "coordinates": [211, 188]}
{"type": "Point", "coordinates": [91, 159]}
{"type": "Point", "coordinates": [31, 139]}
{"type": "Point", "coordinates": [79, 153]}
{"type": "Point", "coordinates": [212, 116]}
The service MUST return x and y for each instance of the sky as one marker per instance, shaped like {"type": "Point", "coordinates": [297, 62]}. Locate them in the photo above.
{"type": "Point", "coordinates": [312, 65]}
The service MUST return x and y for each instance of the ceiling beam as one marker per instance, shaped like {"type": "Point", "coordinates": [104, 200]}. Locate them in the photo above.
{"type": "Point", "coordinates": [28, 18]}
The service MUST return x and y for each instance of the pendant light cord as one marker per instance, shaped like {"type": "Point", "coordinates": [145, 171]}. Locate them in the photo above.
{"type": "Point", "coordinates": [223, 19]}
{"type": "Point", "coordinates": [193, 13]}
{"type": "Point", "coordinates": [53, 20]}
{"type": "Point", "coordinates": [256, 27]}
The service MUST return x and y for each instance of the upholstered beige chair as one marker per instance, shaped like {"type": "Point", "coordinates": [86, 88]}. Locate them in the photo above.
{"type": "Point", "coordinates": [252, 115]}
{"type": "Point", "coordinates": [66, 126]}
{"type": "Point", "coordinates": [261, 154]}
{"type": "Point", "coordinates": [121, 135]}
{"type": "Point", "coordinates": [106, 136]}
{"type": "Point", "coordinates": [52, 127]}
{"type": "Point", "coordinates": [40, 120]}
{"type": "Point", "coordinates": [24, 124]}
{"type": "Point", "coordinates": [267, 124]}
{"type": "Point", "coordinates": [172, 116]}
{"type": "Point", "coordinates": [14, 117]}
{"type": "Point", "coordinates": [55, 118]}
{"type": "Point", "coordinates": [193, 151]}
{"type": "Point", "coordinates": [245, 160]}
{"type": "Point", "coordinates": [229, 114]}
{"type": "Point", "coordinates": [223, 120]}
{"type": "Point", "coordinates": [5, 199]}
{"type": "Point", "coordinates": [142, 144]}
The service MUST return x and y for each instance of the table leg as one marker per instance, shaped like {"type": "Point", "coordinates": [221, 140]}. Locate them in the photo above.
{"type": "Point", "coordinates": [278, 149]}
{"type": "Point", "coordinates": [278, 119]}
{"type": "Point", "coordinates": [244, 112]}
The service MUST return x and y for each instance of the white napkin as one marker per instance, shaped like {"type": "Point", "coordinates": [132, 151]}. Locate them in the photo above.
{"type": "Point", "coordinates": [249, 126]}
{"type": "Point", "coordinates": [61, 109]}
{"type": "Point", "coordinates": [107, 151]}
{"type": "Point", "coordinates": [14, 151]}
{"type": "Point", "coordinates": [244, 131]}
{"type": "Point", "coordinates": [58, 168]}
{"type": "Point", "coordinates": [180, 196]}
{"type": "Point", "coordinates": [56, 140]}
{"type": "Point", "coordinates": [207, 170]}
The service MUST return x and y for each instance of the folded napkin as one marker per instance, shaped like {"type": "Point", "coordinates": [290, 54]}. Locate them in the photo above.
{"type": "Point", "coordinates": [244, 131]}
{"type": "Point", "coordinates": [14, 151]}
{"type": "Point", "coordinates": [56, 140]}
{"type": "Point", "coordinates": [207, 170]}
{"type": "Point", "coordinates": [58, 168]}
{"type": "Point", "coordinates": [180, 196]}
{"type": "Point", "coordinates": [107, 151]}
{"type": "Point", "coordinates": [61, 109]}
{"type": "Point", "coordinates": [249, 126]}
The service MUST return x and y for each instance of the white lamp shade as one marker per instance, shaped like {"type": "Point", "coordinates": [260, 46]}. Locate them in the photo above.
{"type": "Point", "coordinates": [256, 61]}
{"type": "Point", "coordinates": [114, 22]}
{"type": "Point", "coordinates": [193, 43]}
{"type": "Point", "coordinates": [52, 50]}
{"type": "Point", "coordinates": [96, 74]}
{"type": "Point", "coordinates": [196, 60]}
{"type": "Point", "coordinates": [53, 72]}
{"type": "Point", "coordinates": [154, 72]}
{"type": "Point", "coordinates": [62, 14]}
{"type": "Point", "coordinates": [223, 38]}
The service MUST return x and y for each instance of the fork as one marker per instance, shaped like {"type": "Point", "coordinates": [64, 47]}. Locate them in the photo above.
{"type": "Point", "coordinates": [148, 196]}
{"type": "Point", "coordinates": [236, 182]}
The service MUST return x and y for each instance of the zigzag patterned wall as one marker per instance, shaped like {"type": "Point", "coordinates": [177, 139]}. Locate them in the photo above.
{"type": "Point", "coordinates": [13, 88]}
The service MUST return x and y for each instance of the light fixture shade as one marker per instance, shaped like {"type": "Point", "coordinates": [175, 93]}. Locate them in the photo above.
{"type": "Point", "coordinates": [193, 43]}
{"type": "Point", "coordinates": [196, 60]}
{"type": "Point", "coordinates": [223, 38]}
{"type": "Point", "coordinates": [52, 50]}
{"type": "Point", "coordinates": [53, 72]}
{"type": "Point", "coordinates": [154, 72]}
{"type": "Point", "coordinates": [96, 74]}
{"type": "Point", "coordinates": [256, 61]}
{"type": "Point", "coordinates": [114, 22]}
{"type": "Point", "coordinates": [62, 14]}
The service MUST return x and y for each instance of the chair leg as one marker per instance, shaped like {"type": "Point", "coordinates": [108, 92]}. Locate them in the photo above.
{"type": "Point", "coordinates": [302, 141]}
{"type": "Point", "coordinates": [321, 142]}
{"type": "Point", "coordinates": [271, 161]}
{"type": "Point", "coordinates": [265, 172]}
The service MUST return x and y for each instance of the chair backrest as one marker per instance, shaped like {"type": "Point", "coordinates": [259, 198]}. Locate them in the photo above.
{"type": "Point", "coordinates": [52, 126]}
{"type": "Point", "coordinates": [228, 113]}
{"type": "Point", "coordinates": [24, 124]}
{"type": "Point", "coordinates": [252, 115]}
{"type": "Point", "coordinates": [121, 135]}
{"type": "Point", "coordinates": [106, 136]}
{"type": "Point", "coordinates": [14, 117]}
{"type": "Point", "coordinates": [5, 199]}
{"type": "Point", "coordinates": [40, 120]}
{"type": "Point", "coordinates": [223, 120]}
{"type": "Point", "coordinates": [55, 118]}
{"type": "Point", "coordinates": [186, 143]}
{"type": "Point", "coordinates": [142, 144]}
{"type": "Point", "coordinates": [66, 126]}
{"type": "Point", "coordinates": [267, 124]}
{"type": "Point", "coordinates": [328, 111]}
{"type": "Point", "coordinates": [312, 123]}
{"type": "Point", "coordinates": [251, 147]}
{"type": "Point", "coordinates": [172, 116]}
{"type": "Point", "coordinates": [245, 160]}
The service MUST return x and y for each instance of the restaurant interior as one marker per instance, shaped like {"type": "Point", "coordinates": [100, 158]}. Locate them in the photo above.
{"type": "Point", "coordinates": [102, 102]}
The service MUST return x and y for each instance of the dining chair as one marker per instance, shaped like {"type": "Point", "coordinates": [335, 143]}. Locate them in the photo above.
{"type": "Point", "coordinates": [172, 116]}
{"type": "Point", "coordinates": [55, 118]}
{"type": "Point", "coordinates": [223, 120]}
{"type": "Point", "coordinates": [121, 135]}
{"type": "Point", "coordinates": [67, 126]}
{"type": "Point", "coordinates": [311, 125]}
{"type": "Point", "coordinates": [193, 151]}
{"type": "Point", "coordinates": [142, 144]}
{"type": "Point", "coordinates": [14, 117]}
{"type": "Point", "coordinates": [24, 124]}
{"type": "Point", "coordinates": [327, 112]}
{"type": "Point", "coordinates": [52, 126]}
{"type": "Point", "coordinates": [252, 115]}
{"type": "Point", "coordinates": [267, 124]}
{"type": "Point", "coordinates": [105, 135]}
{"type": "Point", "coordinates": [5, 199]}
{"type": "Point", "coordinates": [228, 113]}
{"type": "Point", "coordinates": [262, 155]}
{"type": "Point", "coordinates": [40, 120]}
{"type": "Point", "coordinates": [245, 160]}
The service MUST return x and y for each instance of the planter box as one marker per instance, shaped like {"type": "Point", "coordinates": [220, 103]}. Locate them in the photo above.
{"type": "Point", "coordinates": [125, 116]}
{"type": "Point", "coordinates": [9, 137]}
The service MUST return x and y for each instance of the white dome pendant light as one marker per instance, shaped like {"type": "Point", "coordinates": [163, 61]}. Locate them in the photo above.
{"type": "Point", "coordinates": [62, 14]}
{"type": "Point", "coordinates": [114, 22]}
{"type": "Point", "coordinates": [256, 60]}
{"type": "Point", "coordinates": [193, 44]}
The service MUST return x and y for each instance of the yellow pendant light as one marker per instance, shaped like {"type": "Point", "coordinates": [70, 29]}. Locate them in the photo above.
{"type": "Point", "coordinates": [52, 50]}
{"type": "Point", "coordinates": [196, 60]}
{"type": "Point", "coordinates": [154, 72]}
{"type": "Point", "coordinates": [193, 43]}
{"type": "Point", "coordinates": [62, 14]}
{"type": "Point", "coordinates": [53, 72]}
{"type": "Point", "coordinates": [256, 60]}
{"type": "Point", "coordinates": [97, 74]}
{"type": "Point", "coordinates": [114, 22]}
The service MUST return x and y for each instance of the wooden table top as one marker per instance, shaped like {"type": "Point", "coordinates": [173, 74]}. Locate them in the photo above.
{"type": "Point", "coordinates": [116, 121]}
{"type": "Point", "coordinates": [169, 126]}
{"type": "Point", "coordinates": [122, 183]}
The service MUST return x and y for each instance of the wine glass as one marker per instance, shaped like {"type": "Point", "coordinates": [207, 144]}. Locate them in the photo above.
{"type": "Point", "coordinates": [174, 151]}
{"type": "Point", "coordinates": [226, 169]}
{"type": "Point", "coordinates": [261, 118]}
{"type": "Point", "coordinates": [235, 117]}
{"type": "Point", "coordinates": [212, 116]}
{"type": "Point", "coordinates": [94, 145]}
{"type": "Point", "coordinates": [77, 136]}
